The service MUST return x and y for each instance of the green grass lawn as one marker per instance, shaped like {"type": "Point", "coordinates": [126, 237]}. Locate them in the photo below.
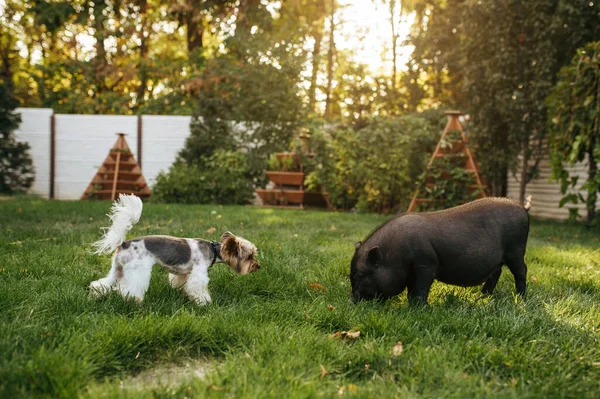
{"type": "Point", "coordinates": [268, 334]}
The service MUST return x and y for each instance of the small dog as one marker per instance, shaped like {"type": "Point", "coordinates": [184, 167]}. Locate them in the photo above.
{"type": "Point", "coordinates": [186, 259]}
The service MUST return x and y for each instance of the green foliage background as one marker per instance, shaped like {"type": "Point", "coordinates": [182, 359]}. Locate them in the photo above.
{"type": "Point", "coordinates": [575, 127]}
{"type": "Point", "coordinates": [16, 166]}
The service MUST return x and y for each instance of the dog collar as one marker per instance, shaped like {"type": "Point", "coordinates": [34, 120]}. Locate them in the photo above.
{"type": "Point", "coordinates": [216, 247]}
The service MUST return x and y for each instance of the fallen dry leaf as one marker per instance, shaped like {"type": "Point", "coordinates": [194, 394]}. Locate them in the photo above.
{"type": "Point", "coordinates": [324, 372]}
{"type": "Point", "coordinates": [211, 230]}
{"type": "Point", "coordinates": [333, 228]}
{"type": "Point", "coordinates": [219, 217]}
{"type": "Point", "coordinates": [317, 286]}
{"type": "Point", "coordinates": [350, 334]}
{"type": "Point", "coordinates": [555, 238]}
{"type": "Point", "coordinates": [351, 388]}
{"type": "Point", "coordinates": [331, 307]}
{"type": "Point", "coordinates": [216, 388]}
{"type": "Point", "coordinates": [397, 349]}
{"type": "Point", "coordinates": [306, 316]}
{"type": "Point", "coordinates": [533, 279]}
{"type": "Point", "coordinates": [345, 334]}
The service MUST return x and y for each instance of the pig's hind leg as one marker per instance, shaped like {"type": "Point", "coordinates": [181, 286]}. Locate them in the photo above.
{"type": "Point", "coordinates": [518, 268]}
{"type": "Point", "coordinates": [492, 280]}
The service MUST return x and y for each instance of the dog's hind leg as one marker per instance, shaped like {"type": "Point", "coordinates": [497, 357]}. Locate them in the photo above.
{"type": "Point", "coordinates": [103, 286]}
{"type": "Point", "coordinates": [197, 285]}
{"type": "Point", "coordinates": [178, 281]}
{"type": "Point", "coordinates": [136, 278]}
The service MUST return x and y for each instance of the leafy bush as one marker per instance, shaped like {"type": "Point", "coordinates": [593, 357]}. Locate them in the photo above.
{"type": "Point", "coordinates": [16, 166]}
{"type": "Point", "coordinates": [223, 180]}
{"type": "Point", "coordinates": [575, 129]}
{"type": "Point", "coordinates": [374, 168]}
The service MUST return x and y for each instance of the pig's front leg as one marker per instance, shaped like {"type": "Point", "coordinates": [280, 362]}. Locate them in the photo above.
{"type": "Point", "coordinates": [491, 282]}
{"type": "Point", "coordinates": [420, 284]}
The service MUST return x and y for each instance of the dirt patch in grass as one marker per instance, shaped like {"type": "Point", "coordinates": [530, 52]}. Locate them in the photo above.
{"type": "Point", "coordinates": [165, 376]}
{"type": "Point", "coordinates": [169, 375]}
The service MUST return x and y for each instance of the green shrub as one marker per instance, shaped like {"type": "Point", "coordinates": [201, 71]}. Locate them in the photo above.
{"type": "Point", "coordinates": [16, 165]}
{"type": "Point", "coordinates": [374, 168]}
{"type": "Point", "coordinates": [224, 180]}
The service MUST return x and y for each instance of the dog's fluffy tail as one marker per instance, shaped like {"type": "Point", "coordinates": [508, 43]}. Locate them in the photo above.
{"type": "Point", "coordinates": [527, 203]}
{"type": "Point", "coordinates": [125, 212]}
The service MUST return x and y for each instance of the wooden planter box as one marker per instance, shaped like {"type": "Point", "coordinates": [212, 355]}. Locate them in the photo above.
{"type": "Point", "coordinates": [281, 197]}
{"type": "Point", "coordinates": [317, 199]}
{"type": "Point", "coordinates": [286, 178]}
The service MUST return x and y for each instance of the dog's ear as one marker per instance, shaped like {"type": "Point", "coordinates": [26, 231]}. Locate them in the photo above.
{"type": "Point", "coordinates": [226, 235]}
{"type": "Point", "coordinates": [230, 245]}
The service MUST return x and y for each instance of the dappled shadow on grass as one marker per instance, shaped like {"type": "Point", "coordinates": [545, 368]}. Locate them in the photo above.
{"type": "Point", "coordinates": [499, 338]}
{"type": "Point", "coordinates": [586, 288]}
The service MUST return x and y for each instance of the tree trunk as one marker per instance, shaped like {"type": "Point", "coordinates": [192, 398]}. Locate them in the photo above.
{"type": "Point", "coordinates": [592, 196]}
{"type": "Point", "coordinates": [318, 35]}
{"type": "Point", "coordinates": [100, 62]}
{"type": "Point", "coordinates": [143, 67]}
{"type": "Point", "coordinates": [195, 28]}
{"type": "Point", "coordinates": [330, 62]}
{"type": "Point", "coordinates": [244, 20]}
{"type": "Point", "coordinates": [524, 167]}
{"type": "Point", "coordinates": [394, 40]}
{"type": "Point", "coordinates": [6, 72]}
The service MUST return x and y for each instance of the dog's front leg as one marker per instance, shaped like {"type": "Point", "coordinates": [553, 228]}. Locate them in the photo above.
{"type": "Point", "coordinates": [197, 285]}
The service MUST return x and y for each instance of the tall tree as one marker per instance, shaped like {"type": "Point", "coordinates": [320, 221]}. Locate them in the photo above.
{"type": "Point", "coordinates": [330, 56]}
{"type": "Point", "coordinates": [317, 35]}
{"type": "Point", "coordinates": [16, 167]}
{"type": "Point", "coordinates": [575, 127]}
{"type": "Point", "coordinates": [498, 60]}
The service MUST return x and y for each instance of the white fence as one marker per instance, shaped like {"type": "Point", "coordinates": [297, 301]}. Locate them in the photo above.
{"type": "Point", "coordinates": [35, 130]}
{"type": "Point", "coordinates": [546, 192]}
{"type": "Point", "coordinates": [80, 144]}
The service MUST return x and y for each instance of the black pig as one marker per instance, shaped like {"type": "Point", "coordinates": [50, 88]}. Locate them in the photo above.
{"type": "Point", "coordinates": [466, 245]}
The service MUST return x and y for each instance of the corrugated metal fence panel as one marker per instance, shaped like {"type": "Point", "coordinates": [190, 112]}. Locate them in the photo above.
{"type": "Point", "coordinates": [35, 130]}
{"type": "Point", "coordinates": [546, 192]}
{"type": "Point", "coordinates": [82, 144]}
{"type": "Point", "coordinates": [162, 138]}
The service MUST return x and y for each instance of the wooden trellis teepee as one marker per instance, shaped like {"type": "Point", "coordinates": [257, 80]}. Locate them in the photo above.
{"type": "Point", "coordinates": [470, 164]}
{"type": "Point", "coordinates": [119, 174]}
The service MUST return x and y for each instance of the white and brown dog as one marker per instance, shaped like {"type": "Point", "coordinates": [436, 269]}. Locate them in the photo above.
{"type": "Point", "coordinates": [186, 259]}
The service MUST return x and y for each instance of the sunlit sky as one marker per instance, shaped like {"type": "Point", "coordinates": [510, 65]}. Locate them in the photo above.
{"type": "Point", "coordinates": [366, 32]}
{"type": "Point", "coordinates": [363, 30]}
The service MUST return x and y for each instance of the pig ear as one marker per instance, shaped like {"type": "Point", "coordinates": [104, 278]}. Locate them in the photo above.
{"type": "Point", "coordinates": [357, 245]}
{"type": "Point", "coordinates": [374, 255]}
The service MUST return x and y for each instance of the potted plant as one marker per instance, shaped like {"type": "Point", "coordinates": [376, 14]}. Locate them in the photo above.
{"type": "Point", "coordinates": [284, 171]}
